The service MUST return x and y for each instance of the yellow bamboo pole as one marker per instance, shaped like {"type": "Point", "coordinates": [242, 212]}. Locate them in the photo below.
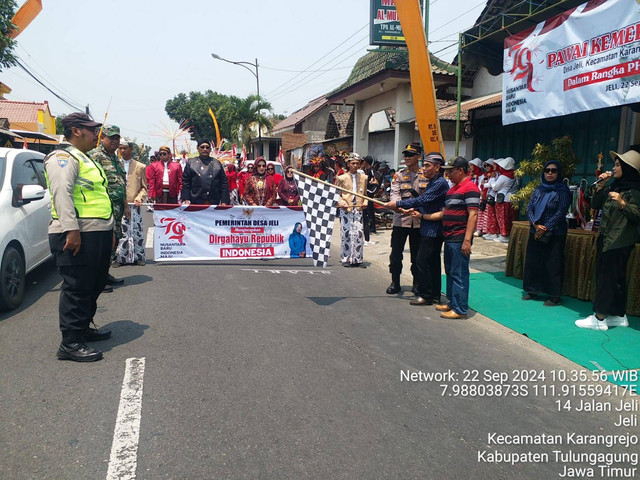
{"type": "Point", "coordinates": [106, 114]}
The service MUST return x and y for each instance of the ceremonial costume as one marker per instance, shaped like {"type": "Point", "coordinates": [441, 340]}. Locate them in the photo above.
{"type": "Point", "coordinates": [288, 190]}
{"type": "Point", "coordinates": [164, 178]}
{"type": "Point", "coordinates": [351, 253]}
{"type": "Point", "coordinates": [204, 182]}
{"type": "Point", "coordinates": [131, 248]}
{"type": "Point", "coordinates": [260, 188]}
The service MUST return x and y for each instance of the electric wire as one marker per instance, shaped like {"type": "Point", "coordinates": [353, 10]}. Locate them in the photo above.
{"type": "Point", "coordinates": [296, 85]}
{"type": "Point", "coordinates": [305, 80]}
{"type": "Point", "coordinates": [45, 75]}
{"type": "Point", "coordinates": [320, 59]}
{"type": "Point", "coordinates": [62, 99]}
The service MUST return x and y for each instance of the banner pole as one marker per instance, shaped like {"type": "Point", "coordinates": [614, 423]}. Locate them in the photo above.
{"type": "Point", "coordinates": [340, 188]}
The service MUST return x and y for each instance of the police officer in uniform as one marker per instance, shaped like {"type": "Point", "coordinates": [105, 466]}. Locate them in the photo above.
{"type": "Point", "coordinates": [408, 183]}
{"type": "Point", "coordinates": [80, 235]}
{"type": "Point", "coordinates": [105, 154]}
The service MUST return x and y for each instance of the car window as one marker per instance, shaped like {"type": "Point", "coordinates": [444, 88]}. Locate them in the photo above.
{"type": "Point", "coordinates": [39, 164]}
{"type": "Point", "coordinates": [24, 173]}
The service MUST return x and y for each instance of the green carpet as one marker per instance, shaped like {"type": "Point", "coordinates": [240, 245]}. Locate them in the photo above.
{"type": "Point", "coordinates": [499, 298]}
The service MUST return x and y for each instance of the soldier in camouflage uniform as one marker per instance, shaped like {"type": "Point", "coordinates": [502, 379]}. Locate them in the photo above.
{"type": "Point", "coordinates": [105, 154]}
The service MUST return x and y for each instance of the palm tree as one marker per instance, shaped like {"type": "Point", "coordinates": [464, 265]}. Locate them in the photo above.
{"type": "Point", "coordinates": [249, 112]}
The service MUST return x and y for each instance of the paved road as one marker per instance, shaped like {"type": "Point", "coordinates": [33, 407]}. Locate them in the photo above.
{"type": "Point", "coordinates": [278, 370]}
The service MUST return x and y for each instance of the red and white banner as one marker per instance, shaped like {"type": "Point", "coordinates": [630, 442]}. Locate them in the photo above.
{"type": "Point", "coordinates": [583, 59]}
{"type": "Point", "coordinates": [200, 232]}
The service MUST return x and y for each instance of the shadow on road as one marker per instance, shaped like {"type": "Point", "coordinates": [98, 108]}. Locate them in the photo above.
{"type": "Point", "coordinates": [122, 331]}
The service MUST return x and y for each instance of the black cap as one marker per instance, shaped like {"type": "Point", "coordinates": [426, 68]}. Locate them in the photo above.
{"type": "Point", "coordinates": [458, 162]}
{"type": "Point", "coordinates": [79, 119]}
{"type": "Point", "coordinates": [413, 149]}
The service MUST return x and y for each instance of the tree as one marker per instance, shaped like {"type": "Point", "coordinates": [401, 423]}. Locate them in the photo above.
{"type": "Point", "coordinates": [194, 109]}
{"type": "Point", "coordinates": [7, 45]}
{"type": "Point", "coordinates": [59, 125]}
{"type": "Point", "coordinates": [249, 111]}
{"type": "Point", "coordinates": [234, 115]}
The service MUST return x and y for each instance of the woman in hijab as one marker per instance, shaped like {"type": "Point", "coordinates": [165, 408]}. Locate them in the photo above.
{"type": "Point", "coordinates": [297, 242]}
{"type": "Point", "coordinates": [287, 189]}
{"type": "Point", "coordinates": [617, 235]}
{"type": "Point", "coordinates": [544, 265]}
{"type": "Point", "coordinates": [243, 176]}
{"type": "Point", "coordinates": [260, 188]}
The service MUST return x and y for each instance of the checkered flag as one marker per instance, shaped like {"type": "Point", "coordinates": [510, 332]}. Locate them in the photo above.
{"type": "Point", "coordinates": [319, 206]}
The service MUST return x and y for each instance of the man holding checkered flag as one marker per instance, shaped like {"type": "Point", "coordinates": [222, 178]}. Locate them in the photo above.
{"type": "Point", "coordinates": [319, 206]}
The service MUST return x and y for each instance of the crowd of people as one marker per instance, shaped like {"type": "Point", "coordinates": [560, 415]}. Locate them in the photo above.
{"type": "Point", "coordinates": [97, 224]}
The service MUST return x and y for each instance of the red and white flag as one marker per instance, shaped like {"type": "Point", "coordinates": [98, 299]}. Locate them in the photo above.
{"type": "Point", "coordinates": [24, 144]}
{"type": "Point", "coordinates": [281, 156]}
{"type": "Point", "coordinates": [234, 151]}
{"type": "Point", "coordinates": [243, 157]}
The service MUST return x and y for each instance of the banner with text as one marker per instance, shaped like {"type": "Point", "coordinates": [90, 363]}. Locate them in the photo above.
{"type": "Point", "coordinates": [583, 59]}
{"type": "Point", "coordinates": [199, 232]}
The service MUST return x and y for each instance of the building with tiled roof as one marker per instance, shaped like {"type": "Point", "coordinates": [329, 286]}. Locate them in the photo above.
{"type": "Point", "coordinates": [28, 116]}
{"type": "Point", "coordinates": [379, 89]}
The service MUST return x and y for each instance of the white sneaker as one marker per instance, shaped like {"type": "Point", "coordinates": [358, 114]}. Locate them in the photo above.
{"type": "Point", "coordinates": [615, 321]}
{"type": "Point", "coordinates": [490, 236]}
{"type": "Point", "coordinates": [501, 239]}
{"type": "Point", "coordinates": [592, 323]}
{"type": "Point", "coordinates": [477, 233]}
{"type": "Point", "coordinates": [366, 243]}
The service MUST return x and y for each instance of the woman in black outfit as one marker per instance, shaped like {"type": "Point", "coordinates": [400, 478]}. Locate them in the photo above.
{"type": "Point", "coordinates": [618, 233]}
{"type": "Point", "coordinates": [547, 209]}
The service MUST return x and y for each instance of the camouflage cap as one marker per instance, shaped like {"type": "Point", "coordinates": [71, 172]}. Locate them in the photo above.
{"type": "Point", "coordinates": [126, 141]}
{"type": "Point", "coordinates": [110, 131]}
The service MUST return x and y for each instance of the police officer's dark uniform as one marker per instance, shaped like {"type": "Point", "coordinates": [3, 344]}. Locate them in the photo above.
{"type": "Point", "coordinates": [80, 236]}
{"type": "Point", "coordinates": [405, 185]}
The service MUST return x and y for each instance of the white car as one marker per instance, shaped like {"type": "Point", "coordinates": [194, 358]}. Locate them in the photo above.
{"type": "Point", "coordinates": [25, 212]}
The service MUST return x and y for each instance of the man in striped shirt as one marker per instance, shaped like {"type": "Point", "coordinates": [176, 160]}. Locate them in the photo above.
{"type": "Point", "coordinates": [459, 222]}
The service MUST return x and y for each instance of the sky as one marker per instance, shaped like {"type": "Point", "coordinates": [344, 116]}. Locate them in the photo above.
{"type": "Point", "coordinates": [130, 57]}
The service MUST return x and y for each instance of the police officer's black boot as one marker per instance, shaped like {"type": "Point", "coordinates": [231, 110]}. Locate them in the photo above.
{"type": "Point", "coordinates": [395, 284]}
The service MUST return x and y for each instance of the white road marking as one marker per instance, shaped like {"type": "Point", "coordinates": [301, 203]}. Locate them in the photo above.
{"type": "Point", "coordinates": [124, 449]}
{"type": "Point", "coordinates": [149, 241]}
{"type": "Point", "coordinates": [292, 272]}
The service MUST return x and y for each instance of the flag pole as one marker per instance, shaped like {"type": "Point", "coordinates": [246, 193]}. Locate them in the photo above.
{"type": "Point", "coordinates": [340, 188]}
{"type": "Point", "coordinates": [106, 114]}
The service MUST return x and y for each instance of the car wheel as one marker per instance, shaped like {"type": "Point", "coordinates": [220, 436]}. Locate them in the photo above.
{"type": "Point", "coordinates": [11, 279]}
